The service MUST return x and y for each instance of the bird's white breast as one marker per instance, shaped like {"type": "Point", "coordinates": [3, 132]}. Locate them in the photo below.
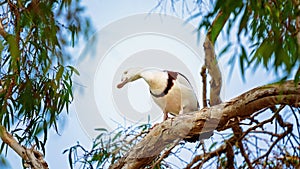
{"type": "Point", "coordinates": [157, 80]}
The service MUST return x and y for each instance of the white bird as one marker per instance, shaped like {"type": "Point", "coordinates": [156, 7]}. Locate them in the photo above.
{"type": "Point", "coordinates": [171, 91]}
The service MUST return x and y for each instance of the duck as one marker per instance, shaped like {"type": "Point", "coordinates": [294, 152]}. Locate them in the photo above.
{"type": "Point", "coordinates": [170, 90]}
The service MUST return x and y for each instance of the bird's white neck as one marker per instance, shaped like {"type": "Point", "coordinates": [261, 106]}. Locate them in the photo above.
{"type": "Point", "coordinates": [157, 80]}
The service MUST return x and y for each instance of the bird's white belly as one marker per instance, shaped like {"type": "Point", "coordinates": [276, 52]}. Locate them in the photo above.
{"type": "Point", "coordinates": [171, 102]}
{"type": "Point", "coordinates": [189, 100]}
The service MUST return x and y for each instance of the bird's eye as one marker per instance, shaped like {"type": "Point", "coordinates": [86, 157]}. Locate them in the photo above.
{"type": "Point", "coordinates": [125, 72]}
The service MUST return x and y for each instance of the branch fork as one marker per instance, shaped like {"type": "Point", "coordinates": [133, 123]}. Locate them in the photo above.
{"type": "Point", "coordinates": [33, 158]}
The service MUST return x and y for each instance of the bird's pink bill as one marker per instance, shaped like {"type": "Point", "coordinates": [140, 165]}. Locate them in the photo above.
{"type": "Point", "coordinates": [120, 85]}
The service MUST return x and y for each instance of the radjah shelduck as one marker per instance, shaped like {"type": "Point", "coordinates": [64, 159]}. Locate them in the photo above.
{"type": "Point", "coordinates": [170, 90]}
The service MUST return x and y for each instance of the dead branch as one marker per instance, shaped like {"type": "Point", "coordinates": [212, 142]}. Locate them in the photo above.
{"type": "Point", "coordinates": [238, 131]}
{"type": "Point", "coordinates": [165, 154]}
{"type": "Point", "coordinates": [216, 153]}
{"type": "Point", "coordinates": [219, 117]}
{"type": "Point", "coordinates": [261, 124]}
{"type": "Point", "coordinates": [230, 156]}
{"type": "Point", "coordinates": [33, 159]}
{"type": "Point", "coordinates": [280, 137]}
{"type": "Point", "coordinates": [203, 75]}
{"type": "Point", "coordinates": [211, 62]}
{"type": "Point", "coordinates": [214, 71]}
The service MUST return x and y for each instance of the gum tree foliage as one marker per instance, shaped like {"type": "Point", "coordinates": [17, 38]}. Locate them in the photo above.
{"type": "Point", "coordinates": [35, 79]}
{"type": "Point", "coordinates": [268, 35]}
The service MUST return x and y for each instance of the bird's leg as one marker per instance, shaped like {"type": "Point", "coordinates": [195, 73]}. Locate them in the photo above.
{"type": "Point", "coordinates": [165, 118]}
{"type": "Point", "coordinates": [181, 110]}
{"type": "Point", "coordinates": [165, 115]}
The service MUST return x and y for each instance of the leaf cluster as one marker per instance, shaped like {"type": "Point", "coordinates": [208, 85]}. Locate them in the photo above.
{"type": "Point", "coordinates": [266, 28]}
{"type": "Point", "coordinates": [35, 80]}
{"type": "Point", "coordinates": [108, 147]}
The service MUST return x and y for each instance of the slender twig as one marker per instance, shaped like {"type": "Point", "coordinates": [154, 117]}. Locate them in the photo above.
{"type": "Point", "coordinates": [3, 2]}
{"type": "Point", "coordinates": [229, 155]}
{"type": "Point", "coordinates": [2, 29]}
{"type": "Point", "coordinates": [266, 132]}
{"type": "Point", "coordinates": [238, 133]}
{"type": "Point", "coordinates": [262, 123]}
{"type": "Point", "coordinates": [282, 135]}
{"type": "Point", "coordinates": [202, 158]}
{"type": "Point", "coordinates": [204, 83]}
{"type": "Point", "coordinates": [166, 153]}
{"type": "Point", "coordinates": [297, 120]}
{"type": "Point", "coordinates": [1, 86]}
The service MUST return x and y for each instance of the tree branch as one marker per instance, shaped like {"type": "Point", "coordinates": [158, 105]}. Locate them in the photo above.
{"type": "Point", "coordinates": [166, 153]}
{"type": "Point", "coordinates": [281, 136]}
{"type": "Point", "coordinates": [205, 157]}
{"type": "Point", "coordinates": [3, 33]}
{"type": "Point", "coordinates": [32, 157]}
{"type": "Point", "coordinates": [238, 132]}
{"type": "Point", "coordinates": [229, 155]}
{"type": "Point", "coordinates": [219, 117]}
{"type": "Point", "coordinates": [214, 71]}
{"type": "Point", "coordinates": [211, 62]}
{"type": "Point", "coordinates": [203, 75]}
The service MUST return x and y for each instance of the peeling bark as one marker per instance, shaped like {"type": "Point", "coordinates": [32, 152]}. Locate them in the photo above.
{"type": "Point", "coordinates": [219, 117]}
{"type": "Point", "coordinates": [214, 71]}
{"type": "Point", "coordinates": [33, 159]}
{"type": "Point", "coordinates": [211, 62]}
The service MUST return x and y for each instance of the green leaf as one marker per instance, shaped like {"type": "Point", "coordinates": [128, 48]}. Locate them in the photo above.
{"type": "Point", "coordinates": [217, 27]}
{"type": "Point", "coordinates": [45, 127]}
{"type": "Point", "coordinates": [213, 145]}
{"type": "Point", "coordinates": [117, 136]}
{"type": "Point", "coordinates": [244, 22]}
{"type": "Point", "coordinates": [59, 73]}
{"type": "Point", "coordinates": [101, 129]}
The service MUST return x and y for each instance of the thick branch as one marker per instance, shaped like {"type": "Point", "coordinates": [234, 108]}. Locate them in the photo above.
{"type": "Point", "coordinates": [206, 120]}
{"type": "Point", "coordinates": [214, 71]}
{"type": "Point", "coordinates": [243, 106]}
{"type": "Point", "coordinates": [210, 58]}
{"type": "Point", "coordinates": [32, 157]}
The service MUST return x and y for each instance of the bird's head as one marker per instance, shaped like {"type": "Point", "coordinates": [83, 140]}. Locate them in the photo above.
{"type": "Point", "coordinates": [130, 75]}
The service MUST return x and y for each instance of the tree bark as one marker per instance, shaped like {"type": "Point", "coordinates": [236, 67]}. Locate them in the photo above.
{"type": "Point", "coordinates": [214, 71]}
{"type": "Point", "coordinates": [211, 62]}
{"type": "Point", "coordinates": [33, 159]}
{"type": "Point", "coordinates": [218, 117]}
